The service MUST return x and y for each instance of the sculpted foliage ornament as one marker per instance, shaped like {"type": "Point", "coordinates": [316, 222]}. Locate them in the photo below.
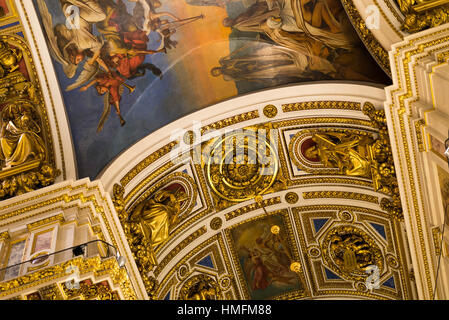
{"type": "Point", "coordinates": [384, 175]}
{"type": "Point", "coordinates": [422, 14]}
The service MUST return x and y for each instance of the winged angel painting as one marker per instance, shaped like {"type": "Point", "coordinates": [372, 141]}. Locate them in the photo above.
{"type": "Point", "coordinates": [154, 61]}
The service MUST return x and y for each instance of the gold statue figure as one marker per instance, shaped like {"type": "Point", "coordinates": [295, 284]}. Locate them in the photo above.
{"type": "Point", "coordinates": [200, 287]}
{"type": "Point", "coordinates": [349, 152]}
{"type": "Point", "coordinates": [19, 135]}
{"type": "Point", "coordinates": [9, 59]}
{"type": "Point", "coordinates": [157, 216]}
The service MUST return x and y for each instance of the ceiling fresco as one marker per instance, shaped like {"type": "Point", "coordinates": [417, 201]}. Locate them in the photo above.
{"type": "Point", "coordinates": [127, 68]}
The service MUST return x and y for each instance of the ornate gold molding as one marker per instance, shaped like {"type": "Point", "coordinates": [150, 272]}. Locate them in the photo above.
{"type": "Point", "coordinates": [57, 273]}
{"type": "Point", "coordinates": [341, 195]}
{"type": "Point", "coordinates": [251, 207]}
{"type": "Point", "coordinates": [147, 161]}
{"type": "Point", "coordinates": [230, 121]}
{"type": "Point", "coordinates": [26, 152]}
{"type": "Point", "coordinates": [346, 105]}
{"type": "Point", "coordinates": [420, 15]}
{"type": "Point", "coordinates": [374, 47]}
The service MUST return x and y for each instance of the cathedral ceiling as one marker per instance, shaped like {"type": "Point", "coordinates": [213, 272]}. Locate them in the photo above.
{"type": "Point", "coordinates": [135, 93]}
{"type": "Point", "coordinates": [295, 206]}
{"type": "Point", "coordinates": [173, 58]}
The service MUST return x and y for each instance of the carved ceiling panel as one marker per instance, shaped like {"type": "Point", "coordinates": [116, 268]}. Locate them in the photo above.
{"type": "Point", "coordinates": [322, 210]}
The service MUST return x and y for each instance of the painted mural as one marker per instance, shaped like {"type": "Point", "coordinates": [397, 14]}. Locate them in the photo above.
{"type": "Point", "coordinates": [265, 258]}
{"type": "Point", "coordinates": [129, 67]}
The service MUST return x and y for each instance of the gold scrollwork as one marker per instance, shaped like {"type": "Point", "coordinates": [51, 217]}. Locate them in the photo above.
{"type": "Point", "coordinates": [340, 194]}
{"type": "Point", "coordinates": [384, 173]}
{"type": "Point", "coordinates": [90, 291]}
{"type": "Point", "coordinates": [216, 223]}
{"type": "Point", "coordinates": [423, 14]}
{"type": "Point", "coordinates": [95, 266]}
{"type": "Point", "coordinates": [299, 106]}
{"type": "Point", "coordinates": [291, 197]}
{"type": "Point", "coordinates": [270, 111]}
{"type": "Point", "coordinates": [241, 166]}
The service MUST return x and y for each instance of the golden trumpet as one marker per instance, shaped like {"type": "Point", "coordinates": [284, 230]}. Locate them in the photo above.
{"type": "Point", "coordinates": [130, 88]}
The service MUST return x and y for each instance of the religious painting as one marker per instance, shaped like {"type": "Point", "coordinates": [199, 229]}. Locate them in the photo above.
{"type": "Point", "coordinates": [42, 241]}
{"type": "Point", "coordinates": [128, 67]}
{"type": "Point", "coordinates": [265, 258]}
{"type": "Point", "coordinates": [4, 10]}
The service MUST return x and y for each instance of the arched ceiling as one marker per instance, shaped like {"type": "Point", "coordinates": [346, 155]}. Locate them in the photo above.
{"type": "Point", "coordinates": [229, 212]}
{"type": "Point", "coordinates": [324, 81]}
{"type": "Point", "coordinates": [218, 50]}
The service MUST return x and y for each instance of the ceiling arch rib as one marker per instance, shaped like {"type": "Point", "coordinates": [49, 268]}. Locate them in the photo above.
{"type": "Point", "coordinates": [51, 94]}
{"type": "Point", "coordinates": [323, 204]}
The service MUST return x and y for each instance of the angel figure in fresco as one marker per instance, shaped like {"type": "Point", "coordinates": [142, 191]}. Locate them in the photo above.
{"type": "Point", "coordinates": [71, 46]}
{"type": "Point", "coordinates": [267, 264]}
{"type": "Point", "coordinates": [110, 85]}
{"type": "Point", "coordinates": [126, 46]}
{"type": "Point", "coordinates": [272, 64]}
{"type": "Point", "coordinates": [145, 14]}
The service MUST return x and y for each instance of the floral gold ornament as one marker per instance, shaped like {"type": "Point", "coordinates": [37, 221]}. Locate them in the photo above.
{"type": "Point", "coordinates": [314, 252]}
{"type": "Point", "coordinates": [225, 282]}
{"type": "Point", "coordinates": [345, 216]}
{"type": "Point", "coordinates": [189, 137]}
{"type": "Point", "coordinates": [384, 174]}
{"type": "Point", "coordinates": [200, 287]}
{"type": "Point", "coordinates": [291, 197]}
{"type": "Point", "coordinates": [348, 251]}
{"type": "Point", "coordinates": [216, 223]}
{"type": "Point", "coordinates": [182, 271]}
{"type": "Point", "coordinates": [270, 111]}
{"type": "Point", "coordinates": [241, 166]}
